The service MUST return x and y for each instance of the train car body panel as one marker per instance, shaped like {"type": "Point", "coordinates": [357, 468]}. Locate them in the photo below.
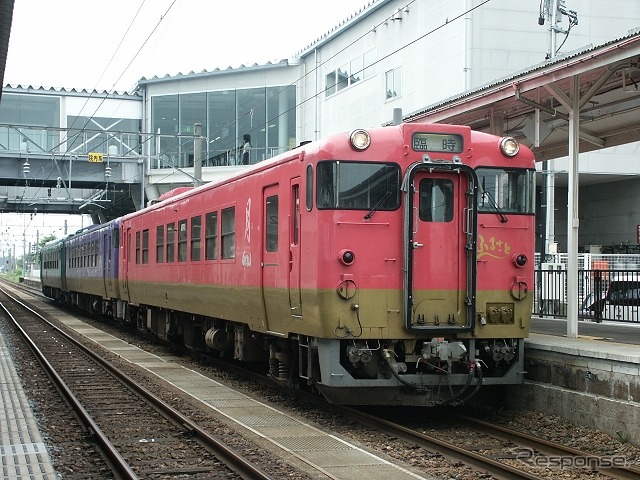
{"type": "Point", "coordinates": [92, 266]}
{"type": "Point", "coordinates": [89, 268]}
{"type": "Point", "coordinates": [388, 266]}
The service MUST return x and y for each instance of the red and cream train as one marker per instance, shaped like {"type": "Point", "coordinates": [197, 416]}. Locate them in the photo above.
{"type": "Point", "coordinates": [388, 266]}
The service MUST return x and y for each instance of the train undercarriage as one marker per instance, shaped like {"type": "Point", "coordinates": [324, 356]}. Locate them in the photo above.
{"type": "Point", "coordinates": [419, 372]}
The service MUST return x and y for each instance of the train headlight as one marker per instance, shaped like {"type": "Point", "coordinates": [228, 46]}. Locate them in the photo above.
{"type": "Point", "coordinates": [520, 260]}
{"type": "Point", "coordinates": [347, 257]}
{"type": "Point", "coordinates": [360, 140]}
{"type": "Point", "coordinates": [509, 146]}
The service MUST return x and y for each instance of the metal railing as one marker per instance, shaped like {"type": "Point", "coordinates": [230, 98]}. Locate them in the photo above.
{"type": "Point", "coordinates": [165, 150]}
{"type": "Point", "coordinates": [603, 294]}
{"type": "Point", "coordinates": [68, 141]}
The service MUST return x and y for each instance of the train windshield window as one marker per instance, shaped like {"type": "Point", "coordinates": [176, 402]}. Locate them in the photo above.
{"type": "Point", "coordinates": [436, 200]}
{"type": "Point", "coordinates": [508, 190]}
{"type": "Point", "coordinates": [358, 185]}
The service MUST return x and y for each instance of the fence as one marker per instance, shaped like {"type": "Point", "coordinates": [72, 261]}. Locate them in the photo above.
{"type": "Point", "coordinates": [608, 287]}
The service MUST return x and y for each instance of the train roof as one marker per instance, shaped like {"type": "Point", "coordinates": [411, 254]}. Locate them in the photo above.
{"type": "Point", "coordinates": [306, 148]}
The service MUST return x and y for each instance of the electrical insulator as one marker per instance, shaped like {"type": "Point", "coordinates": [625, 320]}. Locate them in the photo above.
{"type": "Point", "coordinates": [26, 168]}
{"type": "Point", "coordinates": [107, 171]}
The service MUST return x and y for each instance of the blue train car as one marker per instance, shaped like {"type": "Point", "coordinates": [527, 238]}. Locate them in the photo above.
{"type": "Point", "coordinates": [90, 270]}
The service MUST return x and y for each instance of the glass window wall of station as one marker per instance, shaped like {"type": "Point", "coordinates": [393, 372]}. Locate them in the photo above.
{"type": "Point", "coordinates": [265, 116]}
{"type": "Point", "coordinates": [29, 123]}
{"type": "Point", "coordinates": [109, 136]}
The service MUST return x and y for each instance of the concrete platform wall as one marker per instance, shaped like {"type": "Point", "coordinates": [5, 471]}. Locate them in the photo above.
{"type": "Point", "coordinates": [583, 388]}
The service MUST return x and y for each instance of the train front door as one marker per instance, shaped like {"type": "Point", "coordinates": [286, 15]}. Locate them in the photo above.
{"type": "Point", "coordinates": [440, 252]}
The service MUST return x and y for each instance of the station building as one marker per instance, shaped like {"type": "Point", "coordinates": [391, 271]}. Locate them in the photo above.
{"type": "Point", "coordinates": [392, 54]}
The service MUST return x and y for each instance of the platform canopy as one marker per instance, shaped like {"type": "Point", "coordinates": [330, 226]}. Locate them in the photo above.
{"type": "Point", "coordinates": [534, 104]}
{"type": "Point", "coordinates": [576, 102]}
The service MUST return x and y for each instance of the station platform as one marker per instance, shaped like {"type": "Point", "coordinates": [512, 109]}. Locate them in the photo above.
{"type": "Point", "coordinates": [606, 331]}
{"type": "Point", "coordinates": [592, 380]}
{"type": "Point", "coordinates": [23, 454]}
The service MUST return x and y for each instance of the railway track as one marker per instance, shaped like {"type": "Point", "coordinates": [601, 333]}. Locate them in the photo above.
{"type": "Point", "coordinates": [492, 449]}
{"type": "Point", "coordinates": [499, 451]}
{"type": "Point", "coordinates": [543, 453]}
{"type": "Point", "coordinates": [488, 449]}
{"type": "Point", "coordinates": [138, 434]}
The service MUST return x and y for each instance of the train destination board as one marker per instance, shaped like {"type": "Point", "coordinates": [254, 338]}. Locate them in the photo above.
{"type": "Point", "coordinates": [437, 142]}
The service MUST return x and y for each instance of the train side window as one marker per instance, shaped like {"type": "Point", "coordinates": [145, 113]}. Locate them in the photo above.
{"type": "Point", "coordinates": [295, 214]}
{"type": "Point", "coordinates": [115, 238]}
{"type": "Point", "coordinates": [211, 236]}
{"type": "Point", "coordinates": [271, 227]}
{"type": "Point", "coordinates": [171, 240]}
{"type": "Point", "coordinates": [196, 235]}
{"type": "Point", "coordinates": [309, 196]}
{"type": "Point", "coordinates": [145, 246]}
{"type": "Point", "coordinates": [128, 246]}
{"type": "Point", "coordinates": [182, 241]}
{"type": "Point", "coordinates": [160, 244]}
{"type": "Point", "coordinates": [436, 200]}
{"type": "Point", "coordinates": [137, 249]}
{"type": "Point", "coordinates": [228, 233]}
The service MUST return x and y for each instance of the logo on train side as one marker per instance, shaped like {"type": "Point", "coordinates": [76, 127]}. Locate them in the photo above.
{"type": "Point", "coordinates": [492, 247]}
{"type": "Point", "coordinates": [247, 226]}
{"type": "Point", "coordinates": [246, 257]}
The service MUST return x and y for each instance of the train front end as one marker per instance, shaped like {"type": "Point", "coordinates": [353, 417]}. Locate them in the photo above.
{"type": "Point", "coordinates": [427, 233]}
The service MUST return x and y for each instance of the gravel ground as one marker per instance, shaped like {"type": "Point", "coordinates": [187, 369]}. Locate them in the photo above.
{"type": "Point", "coordinates": [71, 448]}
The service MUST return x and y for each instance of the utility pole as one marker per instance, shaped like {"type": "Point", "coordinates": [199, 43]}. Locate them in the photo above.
{"type": "Point", "coordinates": [552, 12]}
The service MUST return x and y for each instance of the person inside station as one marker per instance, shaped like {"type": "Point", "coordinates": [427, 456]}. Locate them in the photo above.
{"type": "Point", "coordinates": [246, 147]}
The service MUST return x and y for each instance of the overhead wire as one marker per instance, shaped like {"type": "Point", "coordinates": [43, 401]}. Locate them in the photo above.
{"type": "Point", "coordinates": [104, 98]}
{"type": "Point", "coordinates": [313, 71]}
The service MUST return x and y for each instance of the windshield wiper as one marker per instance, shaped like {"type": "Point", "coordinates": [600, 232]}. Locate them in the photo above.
{"type": "Point", "coordinates": [494, 204]}
{"type": "Point", "coordinates": [377, 205]}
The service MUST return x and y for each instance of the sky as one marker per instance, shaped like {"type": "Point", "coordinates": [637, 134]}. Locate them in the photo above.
{"type": "Point", "coordinates": [109, 46]}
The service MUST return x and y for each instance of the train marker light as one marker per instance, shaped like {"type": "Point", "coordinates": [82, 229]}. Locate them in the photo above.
{"type": "Point", "coordinates": [520, 260]}
{"type": "Point", "coordinates": [360, 139]}
{"type": "Point", "coordinates": [509, 146]}
{"type": "Point", "coordinates": [347, 257]}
